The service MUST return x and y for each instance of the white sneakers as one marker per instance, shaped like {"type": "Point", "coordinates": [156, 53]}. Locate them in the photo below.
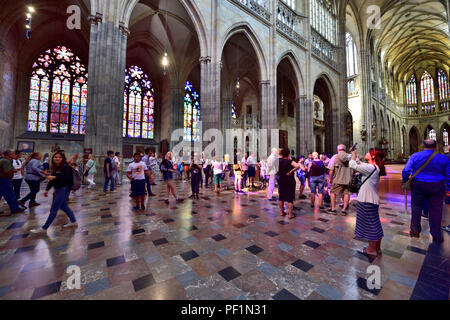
{"type": "Point", "coordinates": [71, 225]}
{"type": "Point", "coordinates": [38, 231]}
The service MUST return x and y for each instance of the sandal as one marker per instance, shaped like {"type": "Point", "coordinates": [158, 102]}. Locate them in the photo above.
{"type": "Point", "coordinates": [369, 254]}
{"type": "Point", "coordinates": [343, 213]}
{"type": "Point", "coordinates": [292, 217]}
{"type": "Point", "coordinates": [283, 214]}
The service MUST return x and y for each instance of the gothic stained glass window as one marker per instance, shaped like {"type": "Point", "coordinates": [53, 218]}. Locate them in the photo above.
{"type": "Point", "coordinates": [445, 138]}
{"type": "Point", "coordinates": [432, 134]}
{"type": "Point", "coordinates": [443, 85]}
{"type": "Point", "coordinates": [411, 90]}
{"type": "Point", "coordinates": [58, 93]}
{"type": "Point", "coordinates": [233, 110]}
{"type": "Point", "coordinates": [426, 87]}
{"type": "Point", "coordinates": [352, 65]}
{"type": "Point", "coordinates": [323, 18]}
{"type": "Point", "coordinates": [191, 114]}
{"type": "Point", "coordinates": [138, 105]}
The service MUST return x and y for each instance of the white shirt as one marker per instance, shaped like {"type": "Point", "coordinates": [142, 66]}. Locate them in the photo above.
{"type": "Point", "coordinates": [272, 165]}
{"type": "Point", "coordinates": [137, 170]}
{"type": "Point", "coordinates": [251, 161]}
{"type": "Point", "coordinates": [17, 164]}
{"type": "Point", "coordinates": [116, 161]}
{"type": "Point", "coordinates": [218, 167]}
{"type": "Point", "coordinates": [369, 190]}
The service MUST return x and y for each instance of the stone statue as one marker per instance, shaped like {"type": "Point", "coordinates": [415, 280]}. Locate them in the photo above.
{"type": "Point", "coordinates": [374, 131]}
{"type": "Point", "coordinates": [55, 148]}
{"type": "Point", "coordinates": [363, 133]}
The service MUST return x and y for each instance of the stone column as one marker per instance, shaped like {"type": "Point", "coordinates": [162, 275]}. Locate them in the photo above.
{"type": "Point", "coordinates": [209, 94]}
{"type": "Point", "coordinates": [107, 54]}
{"type": "Point", "coordinates": [227, 105]}
{"type": "Point", "coordinates": [176, 111]}
{"type": "Point", "coordinates": [268, 112]}
{"type": "Point", "coordinates": [305, 126]}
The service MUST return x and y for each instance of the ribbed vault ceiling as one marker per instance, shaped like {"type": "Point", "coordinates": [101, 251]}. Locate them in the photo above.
{"type": "Point", "coordinates": [413, 35]}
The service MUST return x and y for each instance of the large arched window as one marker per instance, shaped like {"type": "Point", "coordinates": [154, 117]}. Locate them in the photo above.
{"type": "Point", "coordinates": [323, 18]}
{"type": "Point", "coordinates": [191, 114]}
{"type": "Point", "coordinates": [352, 65]}
{"type": "Point", "coordinates": [139, 105]}
{"type": "Point", "coordinates": [411, 90]}
{"type": "Point", "coordinates": [290, 3]}
{"type": "Point", "coordinates": [426, 87]}
{"type": "Point", "coordinates": [233, 110]}
{"type": "Point", "coordinates": [58, 93]}
{"type": "Point", "coordinates": [443, 85]}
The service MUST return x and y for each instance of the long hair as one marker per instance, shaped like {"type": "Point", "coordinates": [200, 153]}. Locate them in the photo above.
{"type": "Point", "coordinates": [378, 157]}
{"type": "Point", "coordinates": [32, 156]}
{"type": "Point", "coordinates": [64, 161]}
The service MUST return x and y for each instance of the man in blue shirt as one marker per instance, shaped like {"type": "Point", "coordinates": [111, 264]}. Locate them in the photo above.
{"type": "Point", "coordinates": [431, 185]}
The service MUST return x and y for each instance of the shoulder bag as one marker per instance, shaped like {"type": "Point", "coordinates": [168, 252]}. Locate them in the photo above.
{"type": "Point", "coordinates": [407, 185]}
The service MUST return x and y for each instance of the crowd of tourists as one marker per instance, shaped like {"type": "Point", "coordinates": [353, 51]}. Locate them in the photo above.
{"type": "Point", "coordinates": [329, 179]}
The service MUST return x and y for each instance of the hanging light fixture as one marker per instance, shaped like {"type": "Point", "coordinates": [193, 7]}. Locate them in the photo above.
{"type": "Point", "coordinates": [165, 59]}
{"type": "Point", "coordinates": [165, 62]}
{"type": "Point", "coordinates": [238, 86]}
{"type": "Point", "coordinates": [28, 20]}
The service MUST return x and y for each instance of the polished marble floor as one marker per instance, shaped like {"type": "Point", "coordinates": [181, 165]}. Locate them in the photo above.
{"type": "Point", "coordinates": [227, 247]}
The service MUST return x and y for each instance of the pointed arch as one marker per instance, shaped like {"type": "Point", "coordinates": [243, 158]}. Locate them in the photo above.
{"type": "Point", "coordinates": [251, 35]}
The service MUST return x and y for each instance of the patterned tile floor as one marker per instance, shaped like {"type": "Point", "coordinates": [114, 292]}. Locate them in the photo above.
{"type": "Point", "coordinates": [227, 247]}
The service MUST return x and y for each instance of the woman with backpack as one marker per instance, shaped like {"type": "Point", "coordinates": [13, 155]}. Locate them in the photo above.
{"type": "Point", "coordinates": [368, 225]}
{"type": "Point", "coordinates": [316, 170]}
{"type": "Point", "coordinates": [60, 178]}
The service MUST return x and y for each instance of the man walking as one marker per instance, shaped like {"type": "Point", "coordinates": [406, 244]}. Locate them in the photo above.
{"type": "Point", "coordinates": [6, 187]}
{"type": "Point", "coordinates": [116, 168]}
{"type": "Point", "coordinates": [272, 169]}
{"type": "Point", "coordinates": [340, 176]}
{"type": "Point", "coordinates": [146, 160]}
{"type": "Point", "coordinates": [431, 184]}
{"type": "Point", "coordinates": [108, 170]}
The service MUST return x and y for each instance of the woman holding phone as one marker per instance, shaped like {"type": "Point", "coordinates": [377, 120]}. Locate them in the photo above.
{"type": "Point", "coordinates": [368, 225]}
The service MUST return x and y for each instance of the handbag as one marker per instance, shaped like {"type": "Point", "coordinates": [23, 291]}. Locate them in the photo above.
{"type": "Point", "coordinates": [407, 184]}
{"type": "Point", "coordinates": [356, 184]}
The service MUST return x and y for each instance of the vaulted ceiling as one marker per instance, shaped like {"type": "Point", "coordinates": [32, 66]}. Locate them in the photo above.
{"type": "Point", "coordinates": [412, 35]}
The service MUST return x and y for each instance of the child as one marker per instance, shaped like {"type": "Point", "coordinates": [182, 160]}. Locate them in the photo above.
{"type": "Point", "coordinates": [196, 178]}
{"type": "Point", "coordinates": [136, 172]}
{"type": "Point", "coordinates": [237, 178]}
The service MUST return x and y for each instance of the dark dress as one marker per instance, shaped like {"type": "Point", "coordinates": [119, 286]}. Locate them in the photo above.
{"type": "Point", "coordinates": [286, 184]}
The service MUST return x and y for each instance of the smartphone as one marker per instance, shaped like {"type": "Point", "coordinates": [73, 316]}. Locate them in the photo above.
{"type": "Point", "coordinates": [354, 147]}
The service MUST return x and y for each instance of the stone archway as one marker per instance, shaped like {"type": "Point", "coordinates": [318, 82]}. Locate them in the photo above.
{"type": "Point", "coordinates": [413, 140]}
{"type": "Point", "coordinates": [323, 91]}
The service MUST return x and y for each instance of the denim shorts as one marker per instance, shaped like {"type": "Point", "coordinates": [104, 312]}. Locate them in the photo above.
{"type": "Point", "coordinates": [302, 180]}
{"type": "Point", "coordinates": [317, 183]}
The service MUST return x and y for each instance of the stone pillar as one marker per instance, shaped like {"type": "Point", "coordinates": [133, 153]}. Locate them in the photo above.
{"type": "Point", "coordinates": [305, 125]}
{"type": "Point", "coordinates": [107, 54]}
{"type": "Point", "coordinates": [176, 111]}
{"type": "Point", "coordinates": [227, 105]}
{"type": "Point", "coordinates": [209, 94]}
{"type": "Point", "coordinates": [268, 112]}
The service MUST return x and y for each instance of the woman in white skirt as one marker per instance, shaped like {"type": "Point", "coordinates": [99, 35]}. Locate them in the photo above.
{"type": "Point", "coordinates": [368, 225]}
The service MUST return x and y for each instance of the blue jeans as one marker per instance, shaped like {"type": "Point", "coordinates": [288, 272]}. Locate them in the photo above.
{"type": "Point", "coordinates": [59, 202]}
{"type": "Point", "coordinates": [7, 191]}
{"type": "Point", "coordinates": [17, 183]}
{"type": "Point", "coordinates": [433, 194]}
{"type": "Point", "coordinates": [115, 175]}
{"type": "Point", "coordinates": [35, 186]}
{"type": "Point", "coordinates": [149, 185]}
{"type": "Point", "coordinates": [108, 180]}
{"type": "Point", "coordinates": [317, 183]}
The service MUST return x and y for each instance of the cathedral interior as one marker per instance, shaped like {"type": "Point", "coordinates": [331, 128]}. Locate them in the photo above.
{"type": "Point", "coordinates": [122, 75]}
